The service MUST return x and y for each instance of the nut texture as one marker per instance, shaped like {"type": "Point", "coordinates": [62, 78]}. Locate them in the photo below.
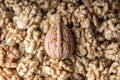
{"type": "Point", "coordinates": [96, 30]}
{"type": "Point", "coordinates": [59, 43]}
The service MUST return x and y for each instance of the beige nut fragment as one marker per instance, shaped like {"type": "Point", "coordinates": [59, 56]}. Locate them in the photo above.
{"type": "Point", "coordinates": [28, 67]}
{"type": "Point", "coordinates": [59, 43]}
{"type": "Point", "coordinates": [8, 56]}
{"type": "Point", "coordinates": [58, 70]}
{"type": "Point", "coordinates": [8, 74]}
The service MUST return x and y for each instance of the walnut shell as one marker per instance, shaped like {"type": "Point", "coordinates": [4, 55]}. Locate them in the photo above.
{"type": "Point", "coordinates": [59, 42]}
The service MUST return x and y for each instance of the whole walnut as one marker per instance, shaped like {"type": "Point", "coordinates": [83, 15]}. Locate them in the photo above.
{"type": "Point", "coordinates": [59, 42]}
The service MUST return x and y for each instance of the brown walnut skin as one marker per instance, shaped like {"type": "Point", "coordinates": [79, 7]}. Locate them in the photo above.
{"type": "Point", "coordinates": [59, 42]}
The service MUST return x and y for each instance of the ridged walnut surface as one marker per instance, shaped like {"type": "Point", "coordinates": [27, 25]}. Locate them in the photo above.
{"type": "Point", "coordinates": [59, 42]}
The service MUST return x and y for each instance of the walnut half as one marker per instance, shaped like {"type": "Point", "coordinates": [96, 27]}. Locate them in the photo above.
{"type": "Point", "coordinates": [59, 42]}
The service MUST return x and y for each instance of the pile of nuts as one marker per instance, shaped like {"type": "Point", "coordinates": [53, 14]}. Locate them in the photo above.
{"type": "Point", "coordinates": [59, 40]}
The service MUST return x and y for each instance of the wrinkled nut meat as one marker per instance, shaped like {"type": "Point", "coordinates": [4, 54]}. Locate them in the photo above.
{"type": "Point", "coordinates": [59, 42]}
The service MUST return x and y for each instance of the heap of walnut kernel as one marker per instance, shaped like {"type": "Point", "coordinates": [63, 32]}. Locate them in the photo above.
{"type": "Point", "coordinates": [92, 54]}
